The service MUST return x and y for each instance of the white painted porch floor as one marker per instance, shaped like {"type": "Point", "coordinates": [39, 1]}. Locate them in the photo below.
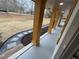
{"type": "Point", "coordinates": [45, 50]}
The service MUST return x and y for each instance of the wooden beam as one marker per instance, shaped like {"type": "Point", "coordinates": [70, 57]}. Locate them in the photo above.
{"type": "Point", "coordinates": [54, 18]}
{"type": "Point", "coordinates": [38, 18]}
{"type": "Point", "coordinates": [74, 2]}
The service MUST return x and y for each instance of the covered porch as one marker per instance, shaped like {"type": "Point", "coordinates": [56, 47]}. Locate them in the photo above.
{"type": "Point", "coordinates": [44, 51]}
{"type": "Point", "coordinates": [44, 46]}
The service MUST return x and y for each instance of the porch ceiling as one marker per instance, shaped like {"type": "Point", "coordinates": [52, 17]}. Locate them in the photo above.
{"type": "Point", "coordinates": [66, 5]}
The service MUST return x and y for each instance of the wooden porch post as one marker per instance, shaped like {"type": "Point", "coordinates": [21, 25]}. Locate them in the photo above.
{"type": "Point", "coordinates": [74, 2]}
{"type": "Point", "coordinates": [61, 16]}
{"type": "Point", "coordinates": [58, 14]}
{"type": "Point", "coordinates": [38, 18]}
{"type": "Point", "coordinates": [54, 18]}
{"type": "Point", "coordinates": [52, 21]}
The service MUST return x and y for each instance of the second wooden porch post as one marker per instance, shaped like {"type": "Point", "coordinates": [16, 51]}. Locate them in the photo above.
{"type": "Point", "coordinates": [38, 18]}
{"type": "Point", "coordinates": [54, 18]}
{"type": "Point", "coordinates": [52, 21]}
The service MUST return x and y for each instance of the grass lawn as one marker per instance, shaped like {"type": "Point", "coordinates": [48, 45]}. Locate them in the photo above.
{"type": "Point", "coordinates": [12, 23]}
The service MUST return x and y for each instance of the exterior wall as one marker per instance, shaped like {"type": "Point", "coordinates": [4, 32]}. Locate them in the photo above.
{"type": "Point", "coordinates": [71, 27]}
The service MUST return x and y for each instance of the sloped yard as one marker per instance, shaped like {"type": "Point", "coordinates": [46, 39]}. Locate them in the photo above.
{"type": "Point", "coordinates": [13, 23]}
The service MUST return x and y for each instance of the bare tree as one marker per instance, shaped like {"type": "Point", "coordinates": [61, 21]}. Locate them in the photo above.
{"type": "Point", "coordinates": [17, 6]}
